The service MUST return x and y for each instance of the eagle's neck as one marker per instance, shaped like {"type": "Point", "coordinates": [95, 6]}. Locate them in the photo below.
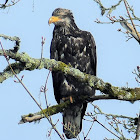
{"type": "Point", "coordinates": [68, 29]}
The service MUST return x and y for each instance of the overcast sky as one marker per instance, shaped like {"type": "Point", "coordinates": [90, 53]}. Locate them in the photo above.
{"type": "Point", "coordinates": [116, 60]}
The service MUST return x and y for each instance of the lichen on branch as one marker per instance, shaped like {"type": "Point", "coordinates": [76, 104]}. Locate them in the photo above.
{"type": "Point", "coordinates": [25, 62]}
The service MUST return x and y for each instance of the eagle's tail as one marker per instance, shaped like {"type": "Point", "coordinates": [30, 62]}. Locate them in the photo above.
{"type": "Point", "coordinates": [72, 120]}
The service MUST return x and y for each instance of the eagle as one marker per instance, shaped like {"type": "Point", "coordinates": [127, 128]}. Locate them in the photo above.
{"type": "Point", "coordinates": [77, 49]}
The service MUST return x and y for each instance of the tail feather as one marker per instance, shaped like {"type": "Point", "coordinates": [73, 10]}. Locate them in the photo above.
{"type": "Point", "coordinates": [72, 120]}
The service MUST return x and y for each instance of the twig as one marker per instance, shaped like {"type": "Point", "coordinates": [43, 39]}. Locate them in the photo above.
{"type": "Point", "coordinates": [42, 46]}
{"type": "Point", "coordinates": [45, 89]}
{"type": "Point", "coordinates": [106, 128]}
{"type": "Point", "coordinates": [132, 10]}
{"type": "Point", "coordinates": [115, 120]}
{"type": "Point", "coordinates": [116, 127]}
{"type": "Point", "coordinates": [113, 20]}
{"type": "Point", "coordinates": [89, 130]}
{"type": "Point", "coordinates": [18, 78]}
{"type": "Point", "coordinates": [8, 5]}
{"type": "Point", "coordinates": [110, 9]}
{"type": "Point", "coordinates": [115, 116]}
{"type": "Point", "coordinates": [137, 73]}
{"type": "Point", "coordinates": [131, 20]}
{"type": "Point", "coordinates": [29, 92]}
{"type": "Point", "coordinates": [6, 1]}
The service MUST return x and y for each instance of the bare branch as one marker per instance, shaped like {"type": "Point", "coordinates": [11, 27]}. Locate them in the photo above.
{"type": "Point", "coordinates": [5, 5]}
{"type": "Point", "coordinates": [137, 73]}
{"type": "Point", "coordinates": [29, 93]}
{"type": "Point", "coordinates": [107, 128]}
{"type": "Point", "coordinates": [133, 14]}
{"type": "Point", "coordinates": [115, 121]}
{"type": "Point", "coordinates": [130, 29]}
{"type": "Point", "coordinates": [134, 28]}
{"type": "Point", "coordinates": [110, 9]}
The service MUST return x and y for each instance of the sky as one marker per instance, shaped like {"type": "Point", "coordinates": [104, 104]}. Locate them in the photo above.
{"type": "Point", "coordinates": [116, 59]}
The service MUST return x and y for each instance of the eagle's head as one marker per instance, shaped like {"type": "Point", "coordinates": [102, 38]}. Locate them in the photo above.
{"type": "Point", "coordinates": [62, 17]}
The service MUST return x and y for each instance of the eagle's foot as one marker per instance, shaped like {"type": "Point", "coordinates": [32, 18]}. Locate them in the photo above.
{"type": "Point", "coordinates": [68, 98]}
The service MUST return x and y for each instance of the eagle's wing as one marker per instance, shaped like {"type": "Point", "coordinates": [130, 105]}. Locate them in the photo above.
{"type": "Point", "coordinates": [56, 75]}
{"type": "Point", "coordinates": [93, 56]}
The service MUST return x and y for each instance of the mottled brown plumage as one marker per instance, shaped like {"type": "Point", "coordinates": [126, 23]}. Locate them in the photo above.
{"type": "Point", "coordinates": [76, 48]}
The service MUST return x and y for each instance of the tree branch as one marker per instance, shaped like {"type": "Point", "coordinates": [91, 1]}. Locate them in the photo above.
{"type": "Point", "coordinates": [59, 108]}
{"type": "Point", "coordinates": [5, 5]}
{"type": "Point", "coordinates": [110, 9]}
{"type": "Point", "coordinates": [15, 38]}
{"type": "Point", "coordinates": [27, 63]}
{"type": "Point", "coordinates": [134, 28]}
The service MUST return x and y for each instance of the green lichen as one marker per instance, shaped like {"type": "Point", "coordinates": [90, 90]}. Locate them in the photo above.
{"type": "Point", "coordinates": [25, 57]}
{"type": "Point", "coordinates": [125, 93]}
{"type": "Point", "coordinates": [41, 65]}
{"type": "Point", "coordinates": [55, 109]}
{"type": "Point", "coordinates": [86, 76]}
{"type": "Point", "coordinates": [30, 66]}
{"type": "Point", "coordinates": [62, 66]}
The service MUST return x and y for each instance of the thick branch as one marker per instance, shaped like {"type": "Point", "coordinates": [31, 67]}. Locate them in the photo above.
{"type": "Point", "coordinates": [58, 108]}
{"type": "Point", "coordinates": [28, 63]}
{"type": "Point", "coordinates": [49, 111]}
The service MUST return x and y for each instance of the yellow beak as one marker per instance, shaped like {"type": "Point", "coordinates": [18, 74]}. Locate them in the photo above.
{"type": "Point", "coordinates": [54, 19]}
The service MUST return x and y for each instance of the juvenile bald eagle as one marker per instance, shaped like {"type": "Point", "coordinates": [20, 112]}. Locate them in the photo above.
{"type": "Point", "coordinates": [76, 48]}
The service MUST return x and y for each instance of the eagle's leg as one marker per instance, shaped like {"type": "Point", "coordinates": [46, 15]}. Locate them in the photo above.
{"type": "Point", "coordinates": [68, 98]}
